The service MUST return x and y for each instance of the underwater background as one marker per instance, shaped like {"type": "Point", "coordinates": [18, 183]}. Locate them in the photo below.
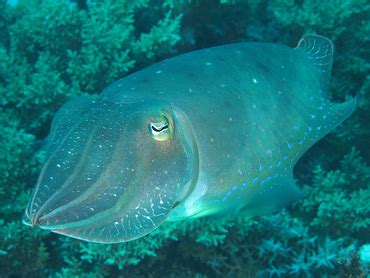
{"type": "Point", "coordinates": [53, 51]}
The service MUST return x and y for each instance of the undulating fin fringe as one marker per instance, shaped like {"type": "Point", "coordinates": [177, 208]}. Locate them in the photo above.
{"type": "Point", "coordinates": [320, 51]}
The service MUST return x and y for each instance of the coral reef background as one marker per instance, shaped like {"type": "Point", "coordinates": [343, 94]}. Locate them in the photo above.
{"type": "Point", "coordinates": [52, 51]}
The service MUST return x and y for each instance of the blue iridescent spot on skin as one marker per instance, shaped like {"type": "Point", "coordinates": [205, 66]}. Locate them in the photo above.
{"type": "Point", "coordinates": [260, 168]}
{"type": "Point", "coordinates": [268, 178]}
{"type": "Point", "coordinates": [254, 180]}
{"type": "Point", "coordinates": [285, 157]}
{"type": "Point", "coordinates": [228, 193]}
{"type": "Point", "coordinates": [234, 187]}
{"type": "Point", "coordinates": [262, 182]}
{"type": "Point", "coordinates": [276, 174]}
{"type": "Point", "coordinates": [278, 164]}
{"type": "Point", "coordinates": [290, 146]}
{"type": "Point", "coordinates": [244, 184]}
{"type": "Point", "coordinates": [270, 167]}
{"type": "Point", "coordinates": [301, 142]}
{"type": "Point", "coordinates": [319, 127]}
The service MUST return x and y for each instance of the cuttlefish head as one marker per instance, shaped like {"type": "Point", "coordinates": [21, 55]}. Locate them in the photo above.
{"type": "Point", "coordinates": [114, 171]}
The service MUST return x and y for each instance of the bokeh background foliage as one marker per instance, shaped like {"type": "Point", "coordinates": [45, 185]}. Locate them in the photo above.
{"type": "Point", "coordinates": [52, 51]}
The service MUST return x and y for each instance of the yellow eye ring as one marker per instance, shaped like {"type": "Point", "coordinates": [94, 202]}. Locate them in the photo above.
{"type": "Point", "coordinates": [161, 130]}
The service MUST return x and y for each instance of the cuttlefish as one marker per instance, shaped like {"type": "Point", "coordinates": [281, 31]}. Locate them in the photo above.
{"type": "Point", "coordinates": [214, 132]}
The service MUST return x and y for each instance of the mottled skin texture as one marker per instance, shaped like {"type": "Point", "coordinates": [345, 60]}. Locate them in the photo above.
{"type": "Point", "coordinates": [242, 115]}
{"type": "Point", "coordinates": [250, 105]}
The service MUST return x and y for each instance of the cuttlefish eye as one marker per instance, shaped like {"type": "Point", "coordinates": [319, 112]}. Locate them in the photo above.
{"type": "Point", "coordinates": [161, 129]}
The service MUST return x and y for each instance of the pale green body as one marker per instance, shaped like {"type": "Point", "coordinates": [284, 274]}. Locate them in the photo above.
{"type": "Point", "coordinates": [250, 105]}
{"type": "Point", "coordinates": [233, 121]}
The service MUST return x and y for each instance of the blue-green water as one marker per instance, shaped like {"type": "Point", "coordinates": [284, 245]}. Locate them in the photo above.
{"type": "Point", "coordinates": [55, 51]}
